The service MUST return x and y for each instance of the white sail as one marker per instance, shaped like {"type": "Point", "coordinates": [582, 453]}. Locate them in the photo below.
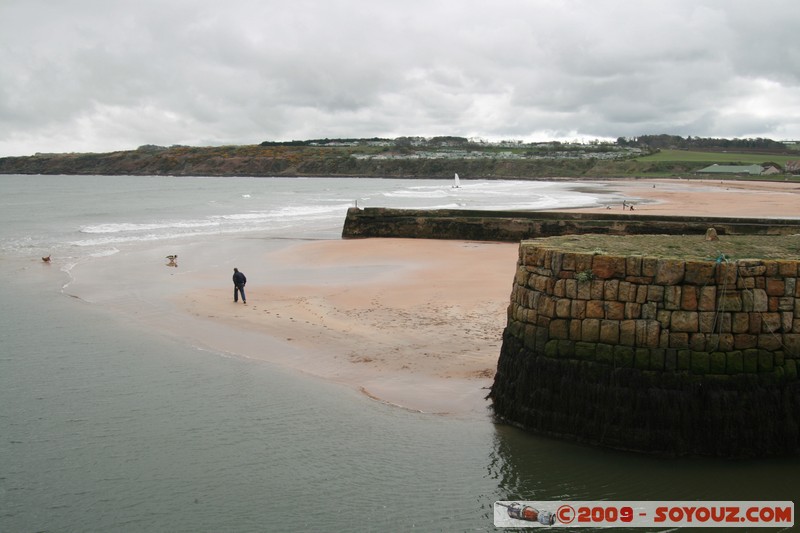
{"type": "Point", "coordinates": [457, 182]}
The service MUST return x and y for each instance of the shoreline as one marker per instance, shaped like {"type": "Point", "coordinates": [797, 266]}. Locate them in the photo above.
{"type": "Point", "coordinates": [409, 322]}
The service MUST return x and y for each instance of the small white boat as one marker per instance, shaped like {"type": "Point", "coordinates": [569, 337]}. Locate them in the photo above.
{"type": "Point", "coordinates": [456, 182]}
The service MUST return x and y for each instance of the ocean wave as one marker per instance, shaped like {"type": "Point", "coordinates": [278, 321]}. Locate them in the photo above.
{"type": "Point", "coordinates": [123, 227]}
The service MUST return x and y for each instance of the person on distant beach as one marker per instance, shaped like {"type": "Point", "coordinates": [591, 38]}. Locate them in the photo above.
{"type": "Point", "coordinates": [239, 281]}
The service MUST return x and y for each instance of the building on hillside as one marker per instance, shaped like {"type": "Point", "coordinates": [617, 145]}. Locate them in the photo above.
{"type": "Point", "coordinates": [751, 170]}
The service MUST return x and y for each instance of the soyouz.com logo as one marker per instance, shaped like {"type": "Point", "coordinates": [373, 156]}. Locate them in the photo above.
{"type": "Point", "coordinates": [644, 514]}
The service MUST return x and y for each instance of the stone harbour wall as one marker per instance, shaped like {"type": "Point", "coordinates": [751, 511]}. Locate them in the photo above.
{"type": "Point", "coordinates": [514, 226]}
{"type": "Point", "coordinates": [669, 356]}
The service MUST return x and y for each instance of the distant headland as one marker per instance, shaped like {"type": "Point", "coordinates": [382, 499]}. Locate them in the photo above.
{"type": "Point", "coordinates": [436, 157]}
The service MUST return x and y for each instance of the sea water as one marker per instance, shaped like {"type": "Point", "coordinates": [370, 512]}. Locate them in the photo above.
{"type": "Point", "coordinates": [104, 427]}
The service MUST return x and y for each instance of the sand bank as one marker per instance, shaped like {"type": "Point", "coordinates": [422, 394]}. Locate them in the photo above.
{"type": "Point", "coordinates": [415, 323]}
{"type": "Point", "coordinates": [694, 197]}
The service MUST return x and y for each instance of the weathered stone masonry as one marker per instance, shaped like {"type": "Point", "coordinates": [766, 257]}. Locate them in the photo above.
{"type": "Point", "coordinates": [658, 355]}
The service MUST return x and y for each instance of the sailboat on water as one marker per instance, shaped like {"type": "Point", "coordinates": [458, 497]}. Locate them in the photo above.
{"type": "Point", "coordinates": [456, 182]}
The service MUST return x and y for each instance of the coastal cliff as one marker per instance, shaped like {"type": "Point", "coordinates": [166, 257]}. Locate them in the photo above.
{"type": "Point", "coordinates": [666, 356]}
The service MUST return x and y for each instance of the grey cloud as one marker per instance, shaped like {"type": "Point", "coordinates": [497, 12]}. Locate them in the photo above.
{"type": "Point", "coordinates": [93, 75]}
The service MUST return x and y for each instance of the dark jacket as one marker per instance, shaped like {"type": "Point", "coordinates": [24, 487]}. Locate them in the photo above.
{"type": "Point", "coordinates": [239, 279]}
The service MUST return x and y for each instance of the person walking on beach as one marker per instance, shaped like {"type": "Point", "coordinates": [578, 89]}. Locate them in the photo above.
{"type": "Point", "coordinates": [239, 281]}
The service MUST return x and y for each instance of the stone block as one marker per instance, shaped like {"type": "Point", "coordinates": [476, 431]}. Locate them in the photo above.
{"type": "Point", "coordinates": [627, 332]}
{"type": "Point", "coordinates": [765, 361]}
{"type": "Point", "coordinates": [596, 291]}
{"type": "Point", "coordinates": [558, 288]}
{"type": "Point", "coordinates": [571, 289]}
{"type": "Point", "coordinates": [791, 286]}
{"type": "Point", "coordinates": [521, 277]}
{"type": "Point", "coordinates": [657, 357]}
{"type": "Point", "coordinates": [730, 301]}
{"type": "Point", "coordinates": [608, 266]}
{"type": "Point", "coordinates": [604, 354]}
{"type": "Point", "coordinates": [650, 311]}
{"type": "Point", "coordinates": [611, 289]}
{"type": "Point", "coordinates": [786, 303]}
{"type": "Point", "coordinates": [699, 272]}
{"type": "Point", "coordinates": [663, 340]}
{"type": "Point", "coordinates": [684, 321]}
{"type": "Point", "coordinates": [734, 363]}
{"type": "Point", "coordinates": [679, 341]}
{"type": "Point", "coordinates": [689, 298]}
{"type": "Point", "coordinates": [670, 271]}
{"type": "Point", "coordinates": [559, 329]}
{"type": "Point", "coordinates": [655, 293]}
{"type": "Point", "coordinates": [724, 322]}
{"type": "Point", "coordinates": [575, 329]}
{"type": "Point", "coordinates": [697, 342]}
{"type": "Point", "coordinates": [787, 269]}
{"type": "Point", "coordinates": [770, 322]}
{"type": "Point", "coordinates": [583, 262]}
{"type": "Point", "coordinates": [706, 322]}
{"type": "Point", "coordinates": [551, 349]}
{"type": "Point", "coordinates": [641, 359]}
{"type": "Point", "coordinates": [726, 342]}
{"type": "Point", "coordinates": [556, 260]}
{"type": "Point", "coordinates": [633, 265]}
{"type": "Point", "coordinates": [787, 320]}
{"type": "Point", "coordinates": [641, 293]}
{"type": "Point", "coordinates": [755, 322]}
{"type": "Point", "coordinates": [708, 298]}
{"type": "Point", "coordinates": [595, 309]}
{"type": "Point", "coordinates": [626, 292]}
{"type": "Point", "coordinates": [750, 361]}
{"type": "Point", "coordinates": [615, 310]}
{"type": "Point", "coordinates": [546, 307]}
{"type": "Point", "coordinates": [775, 287]}
{"type": "Point", "coordinates": [751, 267]}
{"type": "Point", "coordinates": [609, 331]}
{"type": "Point", "coordinates": [578, 309]}
{"type": "Point", "coordinates": [563, 307]}
{"type": "Point", "coordinates": [664, 317]}
{"type": "Point", "coordinates": [726, 274]}
{"type": "Point", "coordinates": [633, 310]}
{"type": "Point", "coordinates": [791, 345]}
{"type": "Point", "coordinates": [740, 323]}
{"type": "Point", "coordinates": [584, 290]}
{"type": "Point", "coordinates": [717, 363]}
{"type": "Point", "coordinates": [568, 261]}
{"type": "Point", "coordinates": [701, 362]}
{"type": "Point", "coordinates": [623, 356]}
{"type": "Point", "coordinates": [590, 330]}
{"type": "Point", "coordinates": [649, 266]}
{"type": "Point", "coordinates": [755, 300]}
{"type": "Point", "coordinates": [648, 333]}
{"type": "Point", "coordinates": [586, 351]}
{"type": "Point", "coordinates": [769, 341]}
{"type": "Point", "coordinates": [747, 283]}
{"type": "Point", "coordinates": [771, 269]}
{"type": "Point", "coordinates": [744, 341]}
{"type": "Point", "coordinates": [566, 349]}
{"type": "Point", "coordinates": [672, 297]}
{"type": "Point", "coordinates": [772, 303]}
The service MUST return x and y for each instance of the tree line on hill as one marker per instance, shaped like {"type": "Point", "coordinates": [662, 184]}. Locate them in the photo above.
{"type": "Point", "coordinates": [664, 141]}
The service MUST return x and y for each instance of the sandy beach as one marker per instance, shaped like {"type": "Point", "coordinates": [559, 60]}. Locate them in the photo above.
{"type": "Point", "coordinates": [414, 323]}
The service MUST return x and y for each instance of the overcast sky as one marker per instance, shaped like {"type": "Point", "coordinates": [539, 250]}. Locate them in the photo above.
{"type": "Point", "coordinates": [102, 75]}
